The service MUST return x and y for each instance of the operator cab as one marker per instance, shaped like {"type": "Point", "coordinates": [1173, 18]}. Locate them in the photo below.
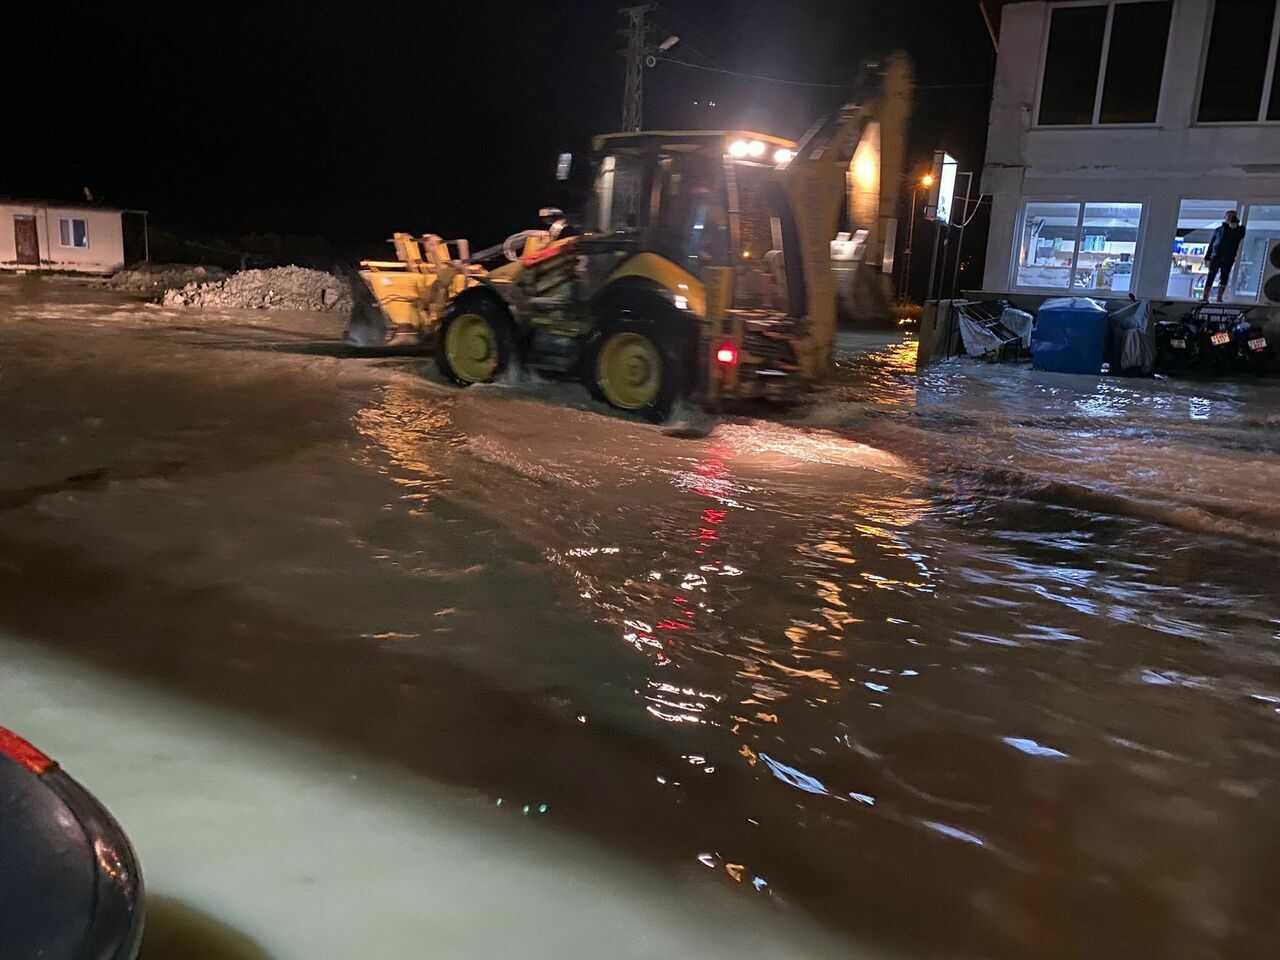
{"type": "Point", "coordinates": [704, 199]}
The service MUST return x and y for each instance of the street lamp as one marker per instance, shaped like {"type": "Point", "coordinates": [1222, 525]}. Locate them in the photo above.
{"type": "Point", "coordinates": [926, 181]}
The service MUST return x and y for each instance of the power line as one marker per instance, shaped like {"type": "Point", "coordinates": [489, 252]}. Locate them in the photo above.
{"type": "Point", "coordinates": [711, 61]}
{"type": "Point", "coordinates": [748, 76]}
{"type": "Point", "coordinates": [714, 66]}
{"type": "Point", "coordinates": [691, 28]}
{"type": "Point", "coordinates": [808, 83]}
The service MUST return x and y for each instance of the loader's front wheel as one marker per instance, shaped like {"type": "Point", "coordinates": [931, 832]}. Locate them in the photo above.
{"type": "Point", "coordinates": [476, 343]}
{"type": "Point", "coordinates": [636, 370]}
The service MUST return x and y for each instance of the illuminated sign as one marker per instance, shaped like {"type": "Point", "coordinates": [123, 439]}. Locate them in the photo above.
{"type": "Point", "coordinates": [943, 192]}
{"type": "Point", "coordinates": [563, 165]}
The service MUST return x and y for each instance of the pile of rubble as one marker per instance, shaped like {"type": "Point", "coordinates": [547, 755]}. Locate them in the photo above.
{"type": "Point", "coordinates": [281, 288]}
{"type": "Point", "coordinates": [156, 278]}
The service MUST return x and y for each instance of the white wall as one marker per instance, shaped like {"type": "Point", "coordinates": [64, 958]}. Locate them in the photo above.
{"type": "Point", "coordinates": [104, 254]}
{"type": "Point", "coordinates": [1157, 165]}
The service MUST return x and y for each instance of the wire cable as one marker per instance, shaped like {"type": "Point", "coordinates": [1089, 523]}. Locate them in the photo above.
{"type": "Point", "coordinates": [691, 28]}
{"type": "Point", "coordinates": [748, 76]}
{"type": "Point", "coordinates": [805, 83]}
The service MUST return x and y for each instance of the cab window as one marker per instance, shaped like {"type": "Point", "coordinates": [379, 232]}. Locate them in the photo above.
{"type": "Point", "coordinates": [616, 198]}
{"type": "Point", "coordinates": [764, 279]}
{"type": "Point", "coordinates": [690, 222]}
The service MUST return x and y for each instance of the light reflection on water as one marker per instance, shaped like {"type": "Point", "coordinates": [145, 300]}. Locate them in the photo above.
{"type": "Point", "coordinates": [933, 694]}
{"type": "Point", "coordinates": [405, 431]}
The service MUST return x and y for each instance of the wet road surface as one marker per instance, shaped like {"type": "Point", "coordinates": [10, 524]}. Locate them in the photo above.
{"type": "Point", "coordinates": [976, 663]}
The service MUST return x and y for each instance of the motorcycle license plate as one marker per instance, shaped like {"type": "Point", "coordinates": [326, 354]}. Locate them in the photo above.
{"type": "Point", "coordinates": [1258, 343]}
{"type": "Point", "coordinates": [1220, 338]}
{"type": "Point", "coordinates": [1178, 344]}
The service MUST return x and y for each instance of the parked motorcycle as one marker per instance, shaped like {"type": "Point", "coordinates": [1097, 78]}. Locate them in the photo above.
{"type": "Point", "coordinates": [1232, 343]}
{"type": "Point", "coordinates": [1177, 343]}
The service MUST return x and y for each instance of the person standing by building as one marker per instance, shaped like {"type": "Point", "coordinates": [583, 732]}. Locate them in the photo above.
{"type": "Point", "coordinates": [1220, 257]}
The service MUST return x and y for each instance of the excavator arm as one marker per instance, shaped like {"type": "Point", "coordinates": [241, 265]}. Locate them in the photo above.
{"type": "Point", "coordinates": [864, 140]}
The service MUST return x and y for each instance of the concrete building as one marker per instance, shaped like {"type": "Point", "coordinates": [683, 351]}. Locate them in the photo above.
{"type": "Point", "coordinates": [1121, 131]}
{"type": "Point", "coordinates": [39, 235]}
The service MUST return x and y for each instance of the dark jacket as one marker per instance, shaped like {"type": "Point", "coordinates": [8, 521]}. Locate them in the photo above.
{"type": "Point", "coordinates": [1225, 245]}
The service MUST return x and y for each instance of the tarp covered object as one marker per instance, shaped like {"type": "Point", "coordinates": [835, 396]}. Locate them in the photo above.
{"type": "Point", "coordinates": [1018, 322]}
{"type": "Point", "coordinates": [979, 339]}
{"type": "Point", "coordinates": [1130, 346]}
{"type": "Point", "coordinates": [1070, 336]}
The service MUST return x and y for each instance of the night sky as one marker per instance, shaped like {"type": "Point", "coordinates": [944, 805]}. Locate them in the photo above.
{"type": "Point", "coordinates": [353, 120]}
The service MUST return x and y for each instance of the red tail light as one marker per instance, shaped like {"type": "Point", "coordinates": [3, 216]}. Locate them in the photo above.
{"type": "Point", "coordinates": [21, 752]}
{"type": "Point", "coordinates": [727, 354]}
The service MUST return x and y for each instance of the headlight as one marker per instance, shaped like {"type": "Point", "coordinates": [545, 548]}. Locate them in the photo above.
{"type": "Point", "coordinates": [782, 156]}
{"type": "Point", "coordinates": [756, 148]}
{"type": "Point", "coordinates": [738, 149]}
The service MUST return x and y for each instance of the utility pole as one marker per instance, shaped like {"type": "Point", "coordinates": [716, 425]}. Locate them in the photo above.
{"type": "Point", "coordinates": [633, 92]}
{"type": "Point", "coordinates": [904, 282]}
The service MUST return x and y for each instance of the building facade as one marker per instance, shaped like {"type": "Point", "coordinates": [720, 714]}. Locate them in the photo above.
{"type": "Point", "coordinates": [1121, 132]}
{"type": "Point", "coordinates": [35, 235]}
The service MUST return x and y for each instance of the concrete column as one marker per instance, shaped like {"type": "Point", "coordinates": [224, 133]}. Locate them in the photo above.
{"type": "Point", "coordinates": [1188, 33]}
{"type": "Point", "coordinates": [1022, 29]}
{"type": "Point", "coordinates": [1161, 222]}
{"type": "Point", "coordinates": [1179, 102]}
{"type": "Point", "coordinates": [1005, 188]}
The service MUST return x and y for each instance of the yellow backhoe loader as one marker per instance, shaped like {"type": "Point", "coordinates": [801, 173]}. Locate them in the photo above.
{"type": "Point", "coordinates": [704, 267]}
{"type": "Point", "coordinates": [399, 303]}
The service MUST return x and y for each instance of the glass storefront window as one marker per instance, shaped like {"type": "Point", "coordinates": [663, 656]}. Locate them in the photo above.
{"type": "Point", "coordinates": [1109, 239]}
{"type": "Point", "coordinates": [1197, 219]}
{"type": "Point", "coordinates": [1047, 246]}
{"type": "Point", "coordinates": [1078, 247]}
{"type": "Point", "coordinates": [1262, 224]}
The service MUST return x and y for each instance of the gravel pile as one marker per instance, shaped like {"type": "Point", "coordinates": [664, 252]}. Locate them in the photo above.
{"type": "Point", "coordinates": [158, 277]}
{"type": "Point", "coordinates": [282, 288]}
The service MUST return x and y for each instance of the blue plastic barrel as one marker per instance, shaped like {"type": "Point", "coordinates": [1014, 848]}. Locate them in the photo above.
{"type": "Point", "coordinates": [1070, 336]}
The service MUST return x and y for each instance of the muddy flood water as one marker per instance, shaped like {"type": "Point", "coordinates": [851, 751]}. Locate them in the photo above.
{"type": "Point", "coordinates": [979, 662]}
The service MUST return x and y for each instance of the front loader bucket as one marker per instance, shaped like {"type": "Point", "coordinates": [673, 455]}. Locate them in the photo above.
{"type": "Point", "coordinates": [387, 310]}
{"type": "Point", "coordinates": [366, 326]}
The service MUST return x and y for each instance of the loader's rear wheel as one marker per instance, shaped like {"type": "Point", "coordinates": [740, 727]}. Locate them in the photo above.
{"type": "Point", "coordinates": [634, 369]}
{"type": "Point", "coordinates": [476, 343]}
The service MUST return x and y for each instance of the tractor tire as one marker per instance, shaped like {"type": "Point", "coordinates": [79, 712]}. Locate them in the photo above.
{"type": "Point", "coordinates": [634, 367]}
{"type": "Point", "coordinates": [477, 341]}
